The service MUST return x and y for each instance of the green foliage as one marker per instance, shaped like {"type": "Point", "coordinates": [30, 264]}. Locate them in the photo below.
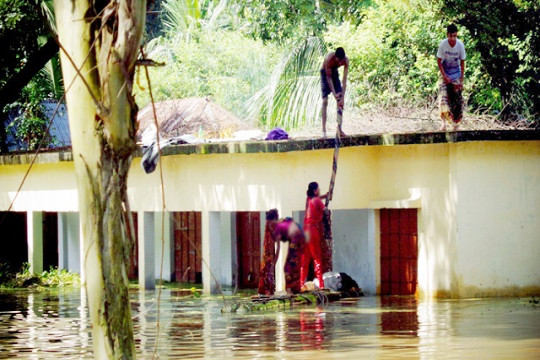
{"type": "Point", "coordinates": [223, 65]}
{"type": "Point", "coordinates": [55, 277]}
{"type": "Point", "coordinates": [24, 27]}
{"type": "Point", "coordinates": [281, 20]}
{"type": "Point", "coordinates": [31, 124]}
{"type": "Point", "coordinates": [20, 26]}
{"type": "Point", "coordinates": [23, 278]}
{"type": "Point", "coordinates": [393, 59]}
{"type": "Point", "coordinates": [292, 98]}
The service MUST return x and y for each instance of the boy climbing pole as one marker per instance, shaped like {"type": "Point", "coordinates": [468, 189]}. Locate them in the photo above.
{"type": "Point", "coordinates": [330, 83]}
{"type": "Point", "coordinates": [451, 62]}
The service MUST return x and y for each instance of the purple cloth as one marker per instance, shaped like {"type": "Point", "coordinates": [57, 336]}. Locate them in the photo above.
{"type": "Point", "coordinates": [277, 134]}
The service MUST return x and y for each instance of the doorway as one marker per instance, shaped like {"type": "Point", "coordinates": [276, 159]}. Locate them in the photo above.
{"type": "Point", "coordinates": [399, 251]}
{"type": "Point", "coordinates": [187, 246]}
{"type": "Point", "coordinates": [248, 240]}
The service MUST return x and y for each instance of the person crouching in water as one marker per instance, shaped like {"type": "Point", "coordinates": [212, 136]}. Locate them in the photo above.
{"type": "Point", "coordinates": [313, 228]}
{"type": "Point", "coordinates": [267, 284]}
{"type": "Point", "coordinates": [289, 233]}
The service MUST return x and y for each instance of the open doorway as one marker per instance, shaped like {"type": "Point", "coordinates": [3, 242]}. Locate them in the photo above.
{"type": "Point", "coordinates": [50, 240]}
{"type": "Point", "coordinates": [14, 247]}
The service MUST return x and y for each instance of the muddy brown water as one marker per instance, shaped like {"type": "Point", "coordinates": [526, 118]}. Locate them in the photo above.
{"type": "Point", "coordinates": [37, 325]}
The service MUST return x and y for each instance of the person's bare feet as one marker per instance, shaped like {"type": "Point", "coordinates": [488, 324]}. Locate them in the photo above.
{"type": "Point", "coordinates": [342, 134]}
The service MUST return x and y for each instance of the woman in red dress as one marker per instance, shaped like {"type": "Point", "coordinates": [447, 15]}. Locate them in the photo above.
{"type": "Point", "coordinates": [313, 229]}
{"type": "Point", "coordinates": [267, 275]}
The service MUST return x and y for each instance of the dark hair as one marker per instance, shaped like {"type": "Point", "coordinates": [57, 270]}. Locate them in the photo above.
{"type": "Point", "coordinates": [311, 189]}
{"type": "Point", "coordinates": [451, 29]}
{"type": "Point", "coordinates": [340, 53]}
{"type": "Point", "coordinates": [272, 215]}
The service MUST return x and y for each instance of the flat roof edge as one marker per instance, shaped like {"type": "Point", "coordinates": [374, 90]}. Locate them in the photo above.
{"type": "Point", "coordinates": [282, 146]}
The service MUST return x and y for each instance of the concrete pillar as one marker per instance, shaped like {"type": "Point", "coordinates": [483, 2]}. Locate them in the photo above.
{"type": "Point", "coordinates": [168, 240]}
{"type": "Point", "coordinates": [82, 252]}
{"type": "Point", "coordinates": [146, 228]}
{"type": "Point", "coordinates": [211, 251]}
{"type": "Point", "coordinates": [69, 247]}
{"type": "Point", "coordinates": [226, 248]}
{"type": "Point", "coordinates": [62, 242]}
{"type": "Point", "coordinates": [34, 227]}
{"type": "Point", "coordinates": [234, 251]}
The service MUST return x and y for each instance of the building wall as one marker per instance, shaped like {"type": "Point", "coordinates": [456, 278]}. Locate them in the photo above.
{"type": "Point", "coordinates": [478, 202]}
{"type": "Point", "coordinates": [354, 248]}
{"type": "Point", "coordinates": [48, 187]}
{"type": "Point", "coordinates": [498, 219]}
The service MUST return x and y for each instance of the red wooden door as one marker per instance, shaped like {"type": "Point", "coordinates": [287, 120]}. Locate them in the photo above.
{"type": "Point", "coordinates": [248, 232]}
{"type": "Point", "coordinates": [187, 247]}
{"type": "Point", "coordinates": [399, 251]}
{"type": "Point", "coordinates": [133, 269]}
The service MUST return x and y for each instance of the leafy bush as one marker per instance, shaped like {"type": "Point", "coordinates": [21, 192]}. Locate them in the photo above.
{"type": "Point", "coordinates": [24, 278]}
{"type": "Point", "coordinates": [393, 55]}
{"type": "Point", "coordinates": [223, 65]}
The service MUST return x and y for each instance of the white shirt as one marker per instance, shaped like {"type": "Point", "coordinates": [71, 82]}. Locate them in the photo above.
{"type": "Point", "coordinates": [451, 58]}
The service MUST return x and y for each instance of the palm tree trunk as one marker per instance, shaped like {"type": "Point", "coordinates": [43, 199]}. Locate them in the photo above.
{"type": "Point", "coordinates": [102, 39]}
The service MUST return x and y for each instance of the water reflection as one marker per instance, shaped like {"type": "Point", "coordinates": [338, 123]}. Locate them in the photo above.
{"type": "Point", "coordinates": [47, 325]}
{"type": "Point", "coordinates": [399, 316]}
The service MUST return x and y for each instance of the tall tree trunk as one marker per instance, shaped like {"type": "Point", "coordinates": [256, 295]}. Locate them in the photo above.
{"type": "Point", "coordinates": [102, 38]}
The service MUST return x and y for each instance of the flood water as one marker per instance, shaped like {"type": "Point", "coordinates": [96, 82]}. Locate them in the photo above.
{"type": "Point", "coordinates": [55, 325]}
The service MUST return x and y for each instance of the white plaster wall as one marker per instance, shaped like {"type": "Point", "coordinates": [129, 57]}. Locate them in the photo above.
{"type": "Point", "coordinates": [48, 187]}
{"type": "Point", "coordinates": [226, 247]}
{"type": "Point", "coordinates": [353, 248]}
{"type": "Point", "coordinates": [69, 246]}
{"type": "Point", "coordinates": [498, 218]}
{"type": "Point", "coordinates": [166, 237]}
{"type": "Point", "coordinates": [252, 182]}
{"type": "Point", "coordinates": [423, 171]}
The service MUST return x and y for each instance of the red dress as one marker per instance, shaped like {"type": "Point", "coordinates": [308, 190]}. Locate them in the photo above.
{"type": "Point", "coordinates": [313, 228]}
{"type": "Point", "coordinates": [267, 275]}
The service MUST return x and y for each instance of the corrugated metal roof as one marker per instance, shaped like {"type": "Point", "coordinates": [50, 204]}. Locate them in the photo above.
{"type": "Point", "coordinates": [59, 129]}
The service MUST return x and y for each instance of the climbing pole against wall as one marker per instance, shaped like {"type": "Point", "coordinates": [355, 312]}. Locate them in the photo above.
{"type": "Point", "coordinates": [327, 217]}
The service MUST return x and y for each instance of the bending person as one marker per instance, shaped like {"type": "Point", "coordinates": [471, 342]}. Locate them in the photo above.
{"type": "Point", "coordinates": [313, 228]}
{"type": "Point", "coordinates": [290, 233]}
{"type": "Point", "coordinates": [330, 83]}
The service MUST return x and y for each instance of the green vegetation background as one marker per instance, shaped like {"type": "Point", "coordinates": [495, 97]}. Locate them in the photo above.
{"type": "Point", "coordinates": [260, 58]}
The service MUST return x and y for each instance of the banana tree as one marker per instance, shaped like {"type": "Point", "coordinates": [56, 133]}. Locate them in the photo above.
{"type": "Point", "coordinates": [100, 41]}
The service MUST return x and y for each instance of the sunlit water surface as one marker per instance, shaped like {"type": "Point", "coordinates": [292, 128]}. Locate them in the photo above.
{"type": "Point", "coordinates": [56, 325]}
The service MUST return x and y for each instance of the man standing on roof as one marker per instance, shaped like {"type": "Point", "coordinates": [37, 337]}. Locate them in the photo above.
{"type": "Point", "coordinates": [330, 83]}
{"type": "Point", "coordinates": [451, 62]}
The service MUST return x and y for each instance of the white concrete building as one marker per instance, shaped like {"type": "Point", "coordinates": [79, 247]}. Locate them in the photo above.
{"type": "Point", "coordinates": [439, 215]}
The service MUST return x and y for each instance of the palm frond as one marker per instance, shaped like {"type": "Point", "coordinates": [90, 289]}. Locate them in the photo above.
{"type": "Point", "coordinates": [175, 19]}
{"type": "Point", "coordinates": [292, 97]}
{"type": "Point", "coordinates": [52, 73]}
{"type": "Point", "coordinates": [47, 8]}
